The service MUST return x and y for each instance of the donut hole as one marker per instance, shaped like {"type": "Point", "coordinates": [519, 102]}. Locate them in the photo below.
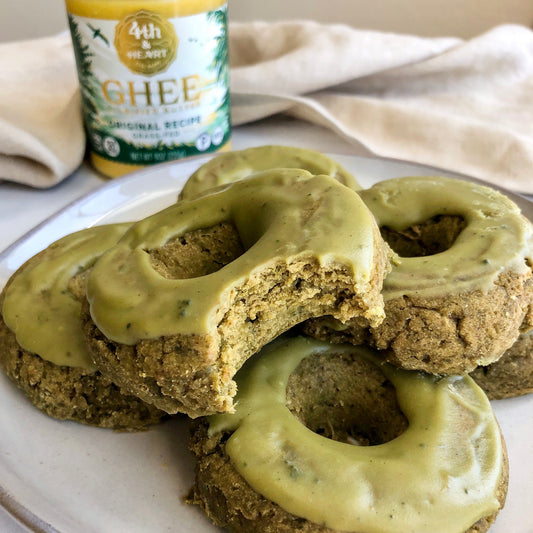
{"type": "Point", "coordinates": [197, 253]}
{"type": "Point", "coordinates": [345, 398]}
{"type": "Point", "coordinates": [432, 236]}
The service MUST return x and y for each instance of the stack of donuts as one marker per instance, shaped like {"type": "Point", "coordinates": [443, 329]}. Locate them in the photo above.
{"type": "Point", "coordinates": [335, 348]}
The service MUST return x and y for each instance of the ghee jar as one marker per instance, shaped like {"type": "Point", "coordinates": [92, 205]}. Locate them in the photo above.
{"type": "Point", "coordinates": [154, 79]}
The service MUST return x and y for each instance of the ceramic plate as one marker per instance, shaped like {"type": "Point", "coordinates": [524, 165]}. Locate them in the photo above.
{"type": "Point", "coordinates": [62, 476]}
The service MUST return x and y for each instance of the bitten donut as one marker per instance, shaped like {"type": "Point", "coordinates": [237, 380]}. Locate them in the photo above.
{"type": "Point", "coordinates": [512, 374]}
{"type": "Point", "coordinates": [232, 166]}
{"type": "Point", "coordinates": [430, 458]}
{"type": "Point", "coordinates": [303, 246]}
{"type": "Point", "coordinates": [42, 346]}
{"type": "Point", "coordinates": [462, 289]}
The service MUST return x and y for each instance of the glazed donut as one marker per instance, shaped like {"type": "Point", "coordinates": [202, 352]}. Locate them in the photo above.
{"type": "Point", "coordinates": [512, 374]}
{"type": "Point", "coordinates": [42, 346]}
{"type": "Point", "coordinates": [232, 166]}
{"type": "Point", "coordinates": [463, 286]}
{"type": "Point", "coordinates": [177, 343]}
{"type": "Point", "coordinates": [270, 466]}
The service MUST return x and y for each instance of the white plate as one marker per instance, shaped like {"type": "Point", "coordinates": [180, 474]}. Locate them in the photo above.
{"type": "Point", "coordinates": [66, 477]}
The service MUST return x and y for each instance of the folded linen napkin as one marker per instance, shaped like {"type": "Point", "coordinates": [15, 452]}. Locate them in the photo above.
{"type": "Point", "coordinates": [41, 131]}
{"type": "Point", "coordinates": [463, 106]}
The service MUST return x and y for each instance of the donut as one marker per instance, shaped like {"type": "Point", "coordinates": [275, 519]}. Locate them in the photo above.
{"type": "Point", "coordinates": [462, 289]}
{"type": "Point", "coordinates": [303, 246]}
{"type": "Point", "coordinates": [512, 374]}
{"type": "Point", "coordinates": [42, 346]}
{"type": "Point", "coordinates": [430, 456]}
{"type": "Point", "coordinates": [238, 164]}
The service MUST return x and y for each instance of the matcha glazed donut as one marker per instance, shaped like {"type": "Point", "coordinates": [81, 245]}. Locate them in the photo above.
{"type": "Point", "coordinates": [303, 246]}
{"type": "Point", "coordinates": [42, 346]}
{"type": "Point", "coordinates": [461, 292]}
{"type": "Point", "coordinates": [431, 456]}
{"type": "Point", "coordinates": [232, 166]}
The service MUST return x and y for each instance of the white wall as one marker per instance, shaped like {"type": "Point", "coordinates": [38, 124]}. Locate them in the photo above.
{"type": "Point", "coordinates": [22, 19]}
{"type": "Point", "coordinates": [461, 18]}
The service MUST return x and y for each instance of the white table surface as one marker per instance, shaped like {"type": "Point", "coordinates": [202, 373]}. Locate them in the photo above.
{"type": "Point", "coordinates": [22, 208]}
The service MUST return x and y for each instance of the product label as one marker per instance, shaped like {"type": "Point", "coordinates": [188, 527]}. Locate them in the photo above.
{"type": "Point", "coordinates": [153, 89]}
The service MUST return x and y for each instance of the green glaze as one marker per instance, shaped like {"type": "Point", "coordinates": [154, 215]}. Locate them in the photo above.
{"type": "Point", "coordinates": [281, 215]}
{"type": "Point", "coordinates": [232, 166]}
{"type": "Point", "coordinates": [496, 238]}
{"type": "Point", "coordinates": [440, 475]}
{"type": "Point", "coordinates": [39, 308]}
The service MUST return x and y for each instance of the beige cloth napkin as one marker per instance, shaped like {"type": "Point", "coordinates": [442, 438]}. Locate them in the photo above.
{"type": "Point", "coordinates": [41, 133]}
{"type": "Point", "coordinates": [463, 106]}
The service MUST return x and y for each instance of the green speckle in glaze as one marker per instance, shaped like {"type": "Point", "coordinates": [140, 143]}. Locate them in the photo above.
{"type": "Point", "coordinates": [440, 475]}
